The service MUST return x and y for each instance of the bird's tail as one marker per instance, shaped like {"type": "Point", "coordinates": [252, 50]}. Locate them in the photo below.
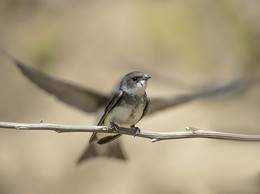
{"type": "Point", "coordinates": [112, 150]}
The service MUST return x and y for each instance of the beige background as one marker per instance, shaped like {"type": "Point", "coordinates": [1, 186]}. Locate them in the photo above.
{"type": "Point", "coordinates": [184, 45]}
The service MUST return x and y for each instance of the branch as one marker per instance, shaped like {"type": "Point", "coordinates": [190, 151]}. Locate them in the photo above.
{"type": "Point", "coordinates": [153, 136]}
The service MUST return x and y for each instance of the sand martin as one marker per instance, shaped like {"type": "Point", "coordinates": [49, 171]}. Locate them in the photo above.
{"type": "Point", "coordinates": [126, 107]}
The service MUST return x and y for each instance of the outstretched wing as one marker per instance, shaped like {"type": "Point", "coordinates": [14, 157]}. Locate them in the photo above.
{"type": "Point", "coordinates": [90, 101]}
{"type": "Point", "coordinates": [83, 98]}
{"type": "Point", "coordinates": [158, 104]}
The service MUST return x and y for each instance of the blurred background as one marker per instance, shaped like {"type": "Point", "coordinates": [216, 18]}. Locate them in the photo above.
{"type": "Point", "coordinates": [185, 46]}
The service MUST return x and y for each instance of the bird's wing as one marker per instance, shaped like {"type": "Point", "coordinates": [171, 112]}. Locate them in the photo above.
{"type": "Point", "coordinates": [158, 104]}
{"type": "Point", "coordinates": [146, 108]}
{"type": "Point", "coordinates": [112, 102]}
{"type": "Point", "coordinates": [90, 101]}
{"type": "Point", "coordinates": [83, 98]}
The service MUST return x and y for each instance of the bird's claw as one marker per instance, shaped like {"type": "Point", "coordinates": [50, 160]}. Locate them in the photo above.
{"type": "Point", "coordinates": [136, 130]}
{"type": "Point", "coordinates": [114, 126]}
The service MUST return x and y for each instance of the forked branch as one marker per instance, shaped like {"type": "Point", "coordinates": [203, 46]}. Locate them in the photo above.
{"type": "Point", "coordinates": [153, 136]}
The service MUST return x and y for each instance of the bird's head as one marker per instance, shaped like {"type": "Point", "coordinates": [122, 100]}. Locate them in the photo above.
{"type": "Point", "coordinates": [134, 83]}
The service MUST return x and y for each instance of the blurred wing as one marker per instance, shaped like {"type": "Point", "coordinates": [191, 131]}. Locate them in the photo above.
{"type": "Point", "coordinates": [158, 104]}
{"type": "Point", "coordinates": [74, 95]}
{"type": "Point", "coordinates": [90, 101]}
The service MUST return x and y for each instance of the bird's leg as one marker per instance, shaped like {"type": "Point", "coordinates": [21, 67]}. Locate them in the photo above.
{"type": "Point", "coordinates": [136, 129]}
{"type": "Point", "coordinates": [115, 126]}
{"type": "Point", "coordinates": [133, 130]}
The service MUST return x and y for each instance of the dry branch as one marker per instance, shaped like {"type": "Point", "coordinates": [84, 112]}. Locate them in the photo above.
{"type": "Point", "coordinates": [153, 136]}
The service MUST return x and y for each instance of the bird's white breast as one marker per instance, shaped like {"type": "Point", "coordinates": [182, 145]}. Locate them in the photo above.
{"type": "Point", "coordinates": [124, 116]}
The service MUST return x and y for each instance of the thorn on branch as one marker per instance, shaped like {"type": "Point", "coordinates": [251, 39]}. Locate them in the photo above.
{"type": "Point", "coordinates": [153, 140]}
{"type": "Point", "coordinates": [192, 129]}
{"type": "Point", "coordinates": [58, 131]}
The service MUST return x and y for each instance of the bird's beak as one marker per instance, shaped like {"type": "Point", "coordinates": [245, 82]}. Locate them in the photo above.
{"type": "Point", "coordinates": [147, 77]}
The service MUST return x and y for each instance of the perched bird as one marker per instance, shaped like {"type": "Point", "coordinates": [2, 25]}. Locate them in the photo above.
{"type": "Point", "coordinates": [127, 106]}
{"type": "Point", "coordinates": [92, 101]}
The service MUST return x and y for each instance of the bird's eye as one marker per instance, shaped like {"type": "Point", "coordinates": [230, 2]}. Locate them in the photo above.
{"type": "Point", "coordinates": [134, 78]}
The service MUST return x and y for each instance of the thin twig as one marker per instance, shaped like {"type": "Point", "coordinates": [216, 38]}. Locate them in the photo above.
{"type": "Point", "coordinates": [153, 136]}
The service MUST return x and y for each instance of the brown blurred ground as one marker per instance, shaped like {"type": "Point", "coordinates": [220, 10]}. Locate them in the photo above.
{"type": "Point", "coordinates": [93, 43]}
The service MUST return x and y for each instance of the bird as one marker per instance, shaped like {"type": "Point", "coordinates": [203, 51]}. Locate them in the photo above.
{"type": "Point", "coordinates": [90, 100]}
{"type": "Point", "coordinates": [127, 106]}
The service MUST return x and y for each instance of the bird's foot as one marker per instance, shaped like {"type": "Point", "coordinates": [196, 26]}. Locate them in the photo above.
{"type": "Point", "coordinates": [114, 126]}
{"type": "Point", "coordinates": [133, 130]}
{"type": "Point", "coordinates": [136, 130]}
